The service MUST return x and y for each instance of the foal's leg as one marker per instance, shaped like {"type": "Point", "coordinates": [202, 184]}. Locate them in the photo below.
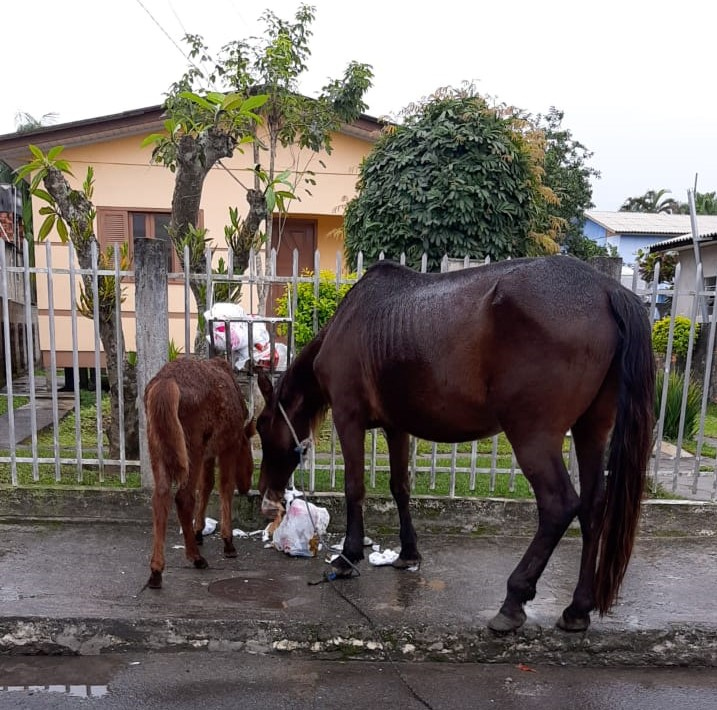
{"type": "Point", "coordinates": [542, 463]}
{"type": "Point", "coordinates": [161, 504]}
{"type": "Point", "coordinates": [204, 490]}
{"type": "Point", "coordinates": [227, 482]}
{"type": "Point", "coordinates": [185, 499]}
{"type": "Point", "coordinates": [352, 446]}
{"type": "Point", "coordinates": [401, 491]}
{"type": "Point", "coordinates": [590, 437]}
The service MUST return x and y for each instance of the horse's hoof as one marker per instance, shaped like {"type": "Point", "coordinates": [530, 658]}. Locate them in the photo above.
{"type": "Point", "coordinates": [201, 563]}
{"type": "Point", "coordinates": [155, 580]}
{"type": "Point", "coordinates": [229, 550]}
{"type": "Point", "coordinates": [573, 624]}
{"type": "Point", "coordinates": [406, 564]}
{"type": "Point", "coordinates": [503, 624]}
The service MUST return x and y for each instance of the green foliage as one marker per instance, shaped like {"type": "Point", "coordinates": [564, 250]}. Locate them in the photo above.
{"type": "Point", "coordinates": [569, 177]}
{"type": "Point", "coordinates": [458, 177]}
{"type": "Point", "coordinates": [680, 337]}
{"type": "Point", "coordinates": [106, 290]}
{"type": "Point", "coordinates": [307, 304]}
{"type": "Point", "coordinates": [673, 410]}
{"type": "Point", "coordinates": [653, 201]}
{"type": "Point", "coordinates": [646, 265]}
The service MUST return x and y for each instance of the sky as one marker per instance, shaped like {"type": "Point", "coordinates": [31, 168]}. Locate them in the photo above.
{"type": "Point", "coordinates": [634, 79]}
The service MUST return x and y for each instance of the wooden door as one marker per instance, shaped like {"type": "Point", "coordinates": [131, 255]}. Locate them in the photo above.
{"type": "Point", "coordinates": [299, 234]}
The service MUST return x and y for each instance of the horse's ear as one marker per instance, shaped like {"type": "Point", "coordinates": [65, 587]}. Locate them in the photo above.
{"type": "Point", "coordinates": [265, 386]}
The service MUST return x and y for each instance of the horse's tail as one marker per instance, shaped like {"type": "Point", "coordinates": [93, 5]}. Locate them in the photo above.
{"type": "Point", "coordinates": [165, 434]}
{"type": "Point", "coordinates": [630, 446]}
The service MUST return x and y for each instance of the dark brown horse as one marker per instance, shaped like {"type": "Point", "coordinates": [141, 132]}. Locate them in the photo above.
{"type": "Point", "coordinates": [196, 416]}
{"type": "Point", "coordinates": [530, 347]}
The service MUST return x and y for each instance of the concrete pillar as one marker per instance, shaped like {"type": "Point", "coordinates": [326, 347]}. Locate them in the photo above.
{"type": "Point", "coordinates": [152, 324]}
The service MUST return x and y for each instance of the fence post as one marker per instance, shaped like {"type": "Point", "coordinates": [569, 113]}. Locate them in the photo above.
{"type": "Point", "coordinates": [152, 329]}
{"type": "Point", "coordinates": [609, 265]}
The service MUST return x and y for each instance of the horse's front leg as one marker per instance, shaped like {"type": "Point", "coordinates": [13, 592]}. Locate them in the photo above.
{"type": "Point", "coordinates": [352, 446]}
{"type": "Point", "coordinates": [401, 491]}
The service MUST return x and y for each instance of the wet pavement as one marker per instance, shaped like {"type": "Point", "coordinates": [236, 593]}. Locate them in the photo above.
{"type": "Point", "coordinates": [77, 588]}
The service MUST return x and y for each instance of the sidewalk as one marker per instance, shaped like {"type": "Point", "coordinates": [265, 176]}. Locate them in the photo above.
{"type": "Point", "coordinates": [77, 588]}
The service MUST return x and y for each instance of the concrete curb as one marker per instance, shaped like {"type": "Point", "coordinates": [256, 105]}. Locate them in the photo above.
{"type": "Point", "coordinates": [474, 516]}
{"type": "Point", "coordinates": [674, 646]}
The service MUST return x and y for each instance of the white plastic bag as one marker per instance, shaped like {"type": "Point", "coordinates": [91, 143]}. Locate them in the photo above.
{"type": "Point", "coordinates": [299, 532]}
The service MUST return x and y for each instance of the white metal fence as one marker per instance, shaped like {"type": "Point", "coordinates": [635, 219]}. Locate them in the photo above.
{"type": "Point", "coordinates": [51, 436]}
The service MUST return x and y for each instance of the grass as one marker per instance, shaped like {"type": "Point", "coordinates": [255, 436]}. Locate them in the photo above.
{"type": "Point", "coordinates": [17, 402]}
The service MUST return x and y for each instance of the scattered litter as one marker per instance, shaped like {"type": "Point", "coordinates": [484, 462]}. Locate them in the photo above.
{"type": "Point", "coordinates": [210, 525]}
{"type": "Point", "coordinates": [526, 669]}
{"type": "Point", "coordinates": [387, 557]}
{"type": "Point", "coordinates": [239, 533]}
{"type": "Point", "coordinates": [367, 542]}
{"type": "Point", "coordinates": [177, 547]}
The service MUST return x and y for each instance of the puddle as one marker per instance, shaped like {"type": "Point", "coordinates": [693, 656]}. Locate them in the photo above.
{"type": "Point", "coordinates": [74, 676]}
{"type": "Point", "coordinates": [255, 590]}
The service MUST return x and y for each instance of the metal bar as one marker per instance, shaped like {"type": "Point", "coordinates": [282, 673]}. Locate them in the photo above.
{"type": "Point", "coordinates": [75, 361]}
{"type": "Point", "coordinates": [120, 373]}
{"type": "Point", "coordinates": [187, 303]}
{"type": "Point", "coordinates": [53, 358]}
{"type": "Point", "coordinates": [4, 292]}
{"type": "Point", "coordinates": [98, 363]}
{"type": "Point", "coordinates": [30, 341]}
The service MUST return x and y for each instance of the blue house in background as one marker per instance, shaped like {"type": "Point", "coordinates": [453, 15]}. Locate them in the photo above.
{"type": "Point", "coordinates": [630, 231]}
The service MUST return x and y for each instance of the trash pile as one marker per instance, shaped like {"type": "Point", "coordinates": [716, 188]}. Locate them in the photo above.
{"type": "Point", "coordinates": [243, 328]}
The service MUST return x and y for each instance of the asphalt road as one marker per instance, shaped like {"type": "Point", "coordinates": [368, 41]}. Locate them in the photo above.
{"type": "Point", "coordinates": [224, 681]}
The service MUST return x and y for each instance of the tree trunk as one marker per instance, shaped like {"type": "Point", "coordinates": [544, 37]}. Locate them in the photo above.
{"type": "Point", "coordinates": [195, 157]}
{"type": "Point", "coordinates": [77, 211]}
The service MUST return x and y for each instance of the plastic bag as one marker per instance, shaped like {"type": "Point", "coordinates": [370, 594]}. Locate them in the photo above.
{"type": "Point", "coordinates": [299, 532]}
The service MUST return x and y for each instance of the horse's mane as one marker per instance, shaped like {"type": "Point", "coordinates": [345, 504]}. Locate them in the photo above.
{"type": "Point", "coordinates": [299, 383]}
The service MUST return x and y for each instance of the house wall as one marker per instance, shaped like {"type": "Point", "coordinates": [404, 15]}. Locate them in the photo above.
{"type": "Point", "coordinates": [125, 177]}
{"type": "Point", "coordinates": [688, 274]}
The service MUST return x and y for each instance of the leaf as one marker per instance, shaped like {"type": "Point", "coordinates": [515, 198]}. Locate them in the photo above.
{"type": "Point", "coordinates": [36, 152]}
{"type": "Point", "coordinates": [46, 227]}
{"type": "Point", "coordinates": [270, 200]}
{"type": "Point", "coordinates": [196, 99]}
{"type": "Point", "coordinates": [54, 152]}
{"type": "Point", "coordinates": [62, 230]}
{"type": "Point", "coordinates": [43, 195]}
{"type": "Point", "coordinates": [47, 210]}
{"type": "Point", "coordinates": [152, 138]}
{"type": "Point", "coordinates": [254, 102]}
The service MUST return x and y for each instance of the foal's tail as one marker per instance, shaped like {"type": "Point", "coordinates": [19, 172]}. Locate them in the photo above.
{"type": "Point", "coordinates": [165, 435]}
{"type": "Point", "coordinates": [629, 447]}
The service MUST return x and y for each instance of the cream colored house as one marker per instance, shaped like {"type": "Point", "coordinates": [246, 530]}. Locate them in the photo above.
{"type": "Point", "coordinates": [133, 199]}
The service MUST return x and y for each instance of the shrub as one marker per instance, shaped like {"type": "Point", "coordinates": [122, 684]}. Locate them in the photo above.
{"type": "Point", "coordinates": [675, 385]}
{"type": "Point", "coordinates": [306, 302]}
{"type": "Point", "coordinates": [680, 338]}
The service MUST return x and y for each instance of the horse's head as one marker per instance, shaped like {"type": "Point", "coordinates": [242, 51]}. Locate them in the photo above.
{"type": "Point", "coordinates": [279, 455]}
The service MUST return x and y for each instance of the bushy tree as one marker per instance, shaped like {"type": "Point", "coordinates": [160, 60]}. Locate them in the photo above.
{"type": "Point", "coordinates": [457, 177]}
{"type": "Point", "coordinates": [653, 201]}
{"type": "Point", "coordinates": [569, 176]}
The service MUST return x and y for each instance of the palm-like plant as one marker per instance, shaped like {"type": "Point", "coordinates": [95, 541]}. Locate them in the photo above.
{"type": "Point", "coordinates": [654, 201]}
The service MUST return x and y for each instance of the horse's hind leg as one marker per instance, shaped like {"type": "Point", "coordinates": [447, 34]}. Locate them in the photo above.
{"type": "Point", "coordinates": [590, 435]}
{"type": "Point", "coordinates": [401, 491]}
{"type": "Point", "coordinates": [558, 503]}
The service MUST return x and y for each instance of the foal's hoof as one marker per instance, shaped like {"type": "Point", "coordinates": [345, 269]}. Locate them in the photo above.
{"type": "Point", "coordinates": [574, 624]}
{"type": "Point", "coordinates": [503, 624]}
{"type": "Point", "coordinates": [201, 563]}
{"type": "Point", "coordinates": [155, 580]}
{"type": "Point", "coordinates": [342, 569]}
{"type": "Point", "coordinates": [229, 549]}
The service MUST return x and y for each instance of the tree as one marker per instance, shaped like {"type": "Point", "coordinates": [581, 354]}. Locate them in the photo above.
{"type": "Point", "coordinates": [569, 177]}
{"type": "Point", "coordinates": [705, 203]}
{"type": "Point", "coordinates": [645, 262]}
{"type": "Point", "coordinates": [654, 201]}
{"type": "Point", "coordinates": [25, 122]}
{"type": "Point", "coordinates": [270, 67]}
{"type": "Point", "coordinates": [457, 177]}
{"type": "Point", "coordinates": [72, 214]}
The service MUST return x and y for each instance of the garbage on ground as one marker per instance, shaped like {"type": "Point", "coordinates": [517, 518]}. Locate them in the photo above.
{"type": "Point", "coordinates": [387, 557]}
{"type": "Point", "coordinates": [243, 328]}
{"type": "Point", "coordinates": [210, 525]}
{"type": "Point", "coordinates": [301, 528]}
